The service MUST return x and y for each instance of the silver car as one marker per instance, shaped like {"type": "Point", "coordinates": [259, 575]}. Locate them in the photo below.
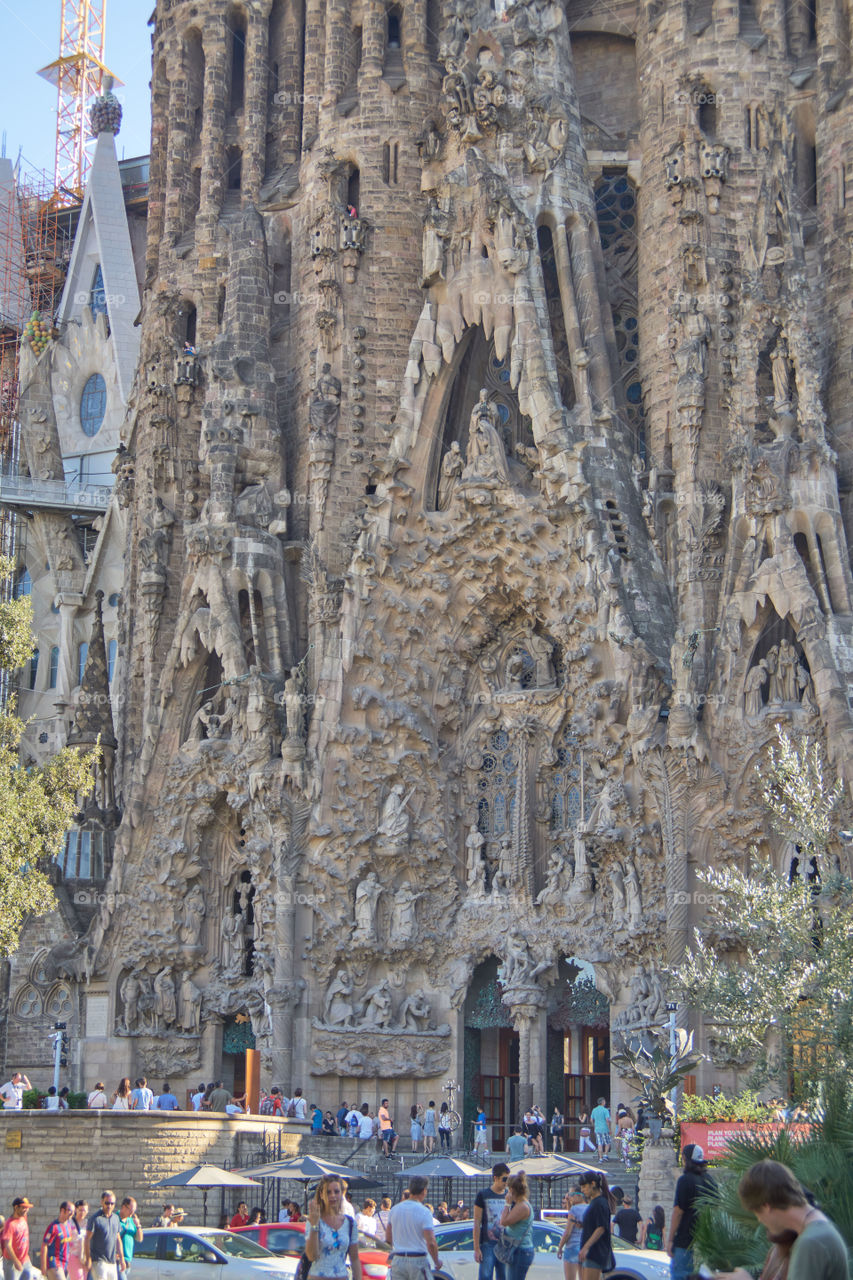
{"type": "Point", "coordinates": [456, 1249]}
{"type": "Point", "coordinates": [191, 1253]}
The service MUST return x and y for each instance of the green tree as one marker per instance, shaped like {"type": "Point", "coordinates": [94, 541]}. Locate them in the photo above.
{"type": "Point", "coordinates": [38, 803]}
{"type": "Point", "coordinates": [771, 968]}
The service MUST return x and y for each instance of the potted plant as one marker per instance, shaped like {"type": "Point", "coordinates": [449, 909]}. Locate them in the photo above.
{"type": "Point", "coordinates": [655, 1073]}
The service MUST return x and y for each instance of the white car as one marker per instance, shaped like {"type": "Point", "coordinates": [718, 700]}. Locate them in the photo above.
{"type": "Point", "coordinates": [456, 1250]}
{"type": "Point", "coordinates": [191, 1253]}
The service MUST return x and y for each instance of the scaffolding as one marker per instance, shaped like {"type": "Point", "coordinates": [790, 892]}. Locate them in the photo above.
{"type": "Point", "coordinates": [35, 249]}
{"type": "Point", "coordinates": [78, 75]}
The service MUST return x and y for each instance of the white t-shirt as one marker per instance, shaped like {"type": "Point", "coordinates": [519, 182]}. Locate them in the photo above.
{"type": "Point", "coordinates": [409, 1220]}
{"type": "Point", "coordinates": [13, 1096]}
{"type": "Point", "coordinates": [51, 1104]}
{"type": "Point", "coordinates": [97, 1100]}
{"type": "Point", "coordinates": [365, 1126]}
{"type": "Point", "coordinates": [348, 1208]}
{"type": "Point", "coordinates": [367, 1223]}
{"type": "Point", "coordinates": [353, 1119]}
{"type": "Point", "coordinates": [301, 1109]}
{"type": "Point", "coordinates": [197, 1099]}
{"type": "Point", "coordinates": [233, 1109]}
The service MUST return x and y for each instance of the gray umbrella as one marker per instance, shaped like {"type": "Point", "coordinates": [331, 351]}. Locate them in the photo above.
{"type": "Point", "coordinates": [309, 1169]}
{"type": "Point", "coordinates": [444, 1167]}
{"type": "Point", "coordinates": [205, 1176]}
{"type": "Point", "coordinates": [552, 1166]}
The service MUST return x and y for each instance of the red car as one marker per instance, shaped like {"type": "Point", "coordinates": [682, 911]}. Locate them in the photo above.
{"type": "Point", "coordinates": [287, 1240]}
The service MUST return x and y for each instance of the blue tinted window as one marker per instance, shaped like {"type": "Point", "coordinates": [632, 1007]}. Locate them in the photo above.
{"type": "Point", "coordinates": [34, 668]}
{"type": "Point", "coordinates": [97, 294]}
{"type": "Point", "coordinates": [24, 584]}
{"type": "Point", "coordinates": [53, 670]}
{"type": "Point", "coordinates": [82, 654]}
{"type": "Point", "coordinates": [111, 659]}
{"type": "Point", "coordinates": [93, 405]}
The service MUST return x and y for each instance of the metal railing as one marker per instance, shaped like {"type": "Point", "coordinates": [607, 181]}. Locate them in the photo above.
{"type": "Point", "coordinates": [23, 491]}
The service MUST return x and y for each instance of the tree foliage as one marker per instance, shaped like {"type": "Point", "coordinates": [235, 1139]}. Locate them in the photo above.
{"type": "Point", "coordinates": [771, 968]}
{"type": "Point", "coordinates": [38, 803]}
{"type": "Point", "coordinates": [655, 1073]}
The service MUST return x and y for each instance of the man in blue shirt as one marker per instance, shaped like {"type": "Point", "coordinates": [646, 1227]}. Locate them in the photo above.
{"type": "Point", "coordinates": [601, 1127]}
{"type": "Point", "coordinates": [167, 1100]}
{"type": "Point", "coordinates": [141, 1098]}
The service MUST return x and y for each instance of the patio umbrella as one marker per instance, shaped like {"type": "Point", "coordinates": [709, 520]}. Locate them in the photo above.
{"type": "Point", "coordinates": [205, 1176]}
{"type": "Point", "coordinates": [551, 1166]}
{"type": "Point", "coordinates": [309, 1169]}
{"type": "Point", "coordinates": [444, 1167]}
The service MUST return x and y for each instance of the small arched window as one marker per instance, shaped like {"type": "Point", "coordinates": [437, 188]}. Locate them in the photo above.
{"type": "Point", "coordinates": [93, 405]}
{"type": "Point", "coordinates": [112, 650]}
{"type": "Point", "coordinates": [53, 668]}
{"type": "Point", "coordinates": [34, 668]}
{"type": "Point", "coordinates": [24, 584]}
{"type": "Point", "coordinates": [98, 294]}
{"type": "Point", "coordinates": [394, 28]}
{"type": "Point", "coordinates": [82, 655]}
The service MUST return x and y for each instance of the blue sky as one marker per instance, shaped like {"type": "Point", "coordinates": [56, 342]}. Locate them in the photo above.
{"type": "Point", "coordinates": [29, 30]}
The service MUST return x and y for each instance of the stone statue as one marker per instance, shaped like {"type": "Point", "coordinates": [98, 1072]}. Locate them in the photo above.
{"type": "Point", "coordinates": [394, 824]}
{"type": "Point", "coordinates": [692, 345]}
{"type": "Point", "coordinates": [366, 898]}
{"type": "Point", "coordinates": [193, 917]}
{"type": "Point", "coordinates": [781, 365]}
{"type": "Point", "coordinates": [617, 884]}
{"type": "Point", "coordinates": [233, 942]}
{"type": "Point", "coordinates": [210, 723]}
{"type": "Point", "coordinates": [326, 401]}
{"type": "Point", "coordinates": [403, 922]}
{"type": "Point", "coordinates": [806, 687]}
{"type": "Point", "coordinates": [129, 992]}
{"type": "Point", "coordinates": [452, 465]}
{"type": "Point", "coordinates": [485, 457]}
{"type": "Point", "coordinates": [519, 968]}
{"type": "Point", "coordinates": [633, 895]}
{"type": "Point", "coordinates": [503, 877]}
{"type": "Point", "coordinates": [165, 1005]}
{"type": "Point", "coordinates": [756, 678]}
{"type": "Point", "coordinates": [514, 671]}
{"type": "Point", "coordinates": [190, 1005]}
{"type": "Point", "coordinates": [154, 545]}
{"type": "Point", "coordinates": [414, 1012]}
{"type": "Point", "coordinates": [474, 859]}
{"type": "Point", "coordinates": [771, 661]}
{"type": "Point", "coordinates": [338, 1007]}
{"type": "Point", "coordinates": [787, 672]}
{"type": "Point", "coordinates": [294, 704]}
{"type": "Point", "coordinates": [377, 1006]}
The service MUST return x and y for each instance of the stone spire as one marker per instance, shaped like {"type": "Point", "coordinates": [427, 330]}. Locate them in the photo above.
{"type": "Point", "coordinates": [93, 719]}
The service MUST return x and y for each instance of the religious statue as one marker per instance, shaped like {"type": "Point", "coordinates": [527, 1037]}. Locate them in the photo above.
{"type": "Point", "coordinates": [294, 704]}
{"type": "Point", "coordinates": [452, 465]}
{"type": "Point", "coordinates": [165, 1005]}
{"type": "Point", "coordinates": [377, 1006]}
{"type": "Point", "coordinates": [154, 545]}
{"type": "Point", "coordinates": [326, 401]}
{"type": "Point", "coordinates": [189, 1016]}
{"type": "Point", "coordinates": [633, 895]}
{"type": "Point", "coordinates": [617, 884]}
{"type": "Point", "coordinates": [209, 723]}
{"type": "Point", "coordinates": [129, 992]}
{"type": "Point", "coordinates": [474, 858]}
{"type": "Point", "coordinates": [414, 1012]}
{"type": "Point", "coordinates": [691, 345]}
{"type": "Point", "coordinates": [514, 671]}
{"type": "Point", "coordinates": [780, 363]}
{"type": "Point", "coordinates": [787, 672]}
{"type": "Point", "coordinates": [193, 917]}
{"type": "Point", "coordinates": [394, 823]}
{"type": "Point", "coordinates": [366, 898]}
{"type": "Point", "coordinates": [503, 877]}
{"type": "Point", "coordinates": [403, 923]}
{"type": "Point", "coordinates": [771, 661]}
{"type": "Point", "coordinates": [806, 687]}
{"type": "Point", "coordinates": [485, 458]}
{"type": "Point", "coordinates": [519, 968]}
{"type": "Point", "coordinates": [233, 942]}
{"type": "Point", "coordinates": [339, 1007]}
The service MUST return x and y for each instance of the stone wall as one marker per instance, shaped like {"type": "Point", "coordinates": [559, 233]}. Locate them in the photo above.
{"type": "Point", "coordinates": [78, 1153]}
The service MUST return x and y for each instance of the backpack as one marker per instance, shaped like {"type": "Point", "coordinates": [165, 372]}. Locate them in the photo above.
{"type": "Point", "coordinates": [291, 1109]}
{"type": "Point", "coordinates": [267, 1108]}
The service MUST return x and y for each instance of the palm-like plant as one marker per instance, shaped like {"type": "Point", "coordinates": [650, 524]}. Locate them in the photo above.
{"type": "Point", "coordinates": [657, 1072]}
{"type": "Point", "coordinates": [727, 1235]}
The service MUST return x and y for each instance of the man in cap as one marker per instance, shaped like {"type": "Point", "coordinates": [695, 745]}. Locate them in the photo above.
{"type": "Point", "coordinates": [15, 1242]}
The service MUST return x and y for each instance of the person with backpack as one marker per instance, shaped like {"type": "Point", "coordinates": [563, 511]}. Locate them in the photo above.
{"type": "Point", "coordinates": [297, 1108]}
{"type": "Point", "coordinates": [651, 1231]}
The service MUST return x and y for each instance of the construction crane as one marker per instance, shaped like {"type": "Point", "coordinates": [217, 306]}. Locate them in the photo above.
{"type": "Point", "coordinates": [78, 74]}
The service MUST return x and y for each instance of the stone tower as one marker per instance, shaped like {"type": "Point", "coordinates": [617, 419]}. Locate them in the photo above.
{"type": "Point", "coordinates": [482, 474]}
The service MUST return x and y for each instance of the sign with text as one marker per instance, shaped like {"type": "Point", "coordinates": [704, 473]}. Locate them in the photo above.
{"type": "Point", "coordinates": [714, 1138]}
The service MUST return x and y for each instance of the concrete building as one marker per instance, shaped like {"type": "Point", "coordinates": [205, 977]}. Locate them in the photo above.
{"type": "Point", "coordinates": [487, 485]}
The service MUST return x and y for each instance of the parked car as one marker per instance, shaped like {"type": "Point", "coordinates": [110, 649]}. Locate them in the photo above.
{"type": "Point", "coordinates": [287, 1240]}
{"type": "Point", "coordinates": [187, 1253]}
{"type": "Point", "coordinates": [456, 1246]}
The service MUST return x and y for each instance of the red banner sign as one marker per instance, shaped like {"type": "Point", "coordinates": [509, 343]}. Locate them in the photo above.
{"type": "Point", "coordinates": [714, 1138]}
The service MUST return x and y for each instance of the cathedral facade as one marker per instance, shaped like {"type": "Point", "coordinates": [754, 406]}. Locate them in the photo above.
{"type": "Point", "coordinates": [485, 479]}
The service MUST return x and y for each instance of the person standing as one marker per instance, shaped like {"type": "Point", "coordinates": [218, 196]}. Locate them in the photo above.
{"type": "Point", "coordinates": [97, 1099]}
{"type": "Point", "coordinates": [429, 1129]}
{"type": "Point", "coordinates": [12, 1092]}
{"type": "Point", "coordinates": [241, 1217]}
{"type": "Point", "coordinates": [198, 1098]}
{"type": "Point", "coordinates": [415, 1126]}
{"type": "Point", "coordinates": [516, 1144]}
{"type": "Point", "coordinates": [517, 1223]}
{"type": "Point", "coordinates": [219, 1098]}
{"type": "Point", "coordinates": [480, 1136]}
{"type": "Point", "coordinates": [383, 1217]}
{"type": "Point", "coordinates": [444, 1130]}
{"type": "Point", "coordinates": [585, 1142]}
{"type": "Point", "coordinates": [651, 1232]}
{"type": "Point", "coordinates": [166, 1101]}
{"type": "Point", "coordinates": [141, 1098]}
{"type": "Point", "coordinates": [557, 1126]}
{"type": "Point", "coordinates": [601, 1125]}
{"type": "Point", "coordinates": [694, 1182]}
{"type": "Point", "coordinates": [102, 1251]}
{"type": "Point", "coordinates": [411, 1236]}
{"type": "Point", "coordinates": [574, 1202]}
{"type": "Point", "coordinates": [77, 1222]}
{"type": "Point", "coordinates": [56, 1244]}
{"type": "Point", "coordinates": [596, 1251]}
{"type": "Point", "coordinates": [366, 1220]}
{"type": "Point", "coordinates": [770, 1191]}
{"type": "Point", "coordinates": [122, 1097]}
{"type": "Point", "coordinates": [165, 1218]}
{"type": "Point", "coordinates": [130, 1229]}
{"type": "Point", "coordinates": [332, 1237]}
{"type": "Point", "coordinates": [341, 1117]}
{"type": "Point", "coordinates": [488, 1206]}
{"type": "Point", "coordinates": [15, 1240]}
{"type": "Point", "coordinates": [386, 1130]}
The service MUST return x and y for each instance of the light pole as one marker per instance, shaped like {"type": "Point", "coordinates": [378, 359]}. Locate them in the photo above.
{"type": "Point", "coordinates": [60, 1050]}
{"type": "Point", "coordinates": [671, 1009]}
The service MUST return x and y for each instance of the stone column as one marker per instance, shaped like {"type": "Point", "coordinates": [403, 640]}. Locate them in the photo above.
{"type": "Point", "coordinates": [337, 46]}
{"type": "Point", "coordinates": [285, 994]}
{"type": "Point", "coordinates": [253, 140]}
{"type": "Point", "coordinates": [590, 314]}
{"type": "Point", "coordinates": [373, 38]}
{"type": "Point", "coordinates": [66, 676]}
{"type": "Point", "coordinates": [180, 145]}
{"type": "Point", "coordinates": [527, 1009]}
{"type": "Point", "coordinates": [213, 125]}
{"type": "Point", "coordinates": [570, 317]}
{"type": "Point", "coordinates": [315, 51]}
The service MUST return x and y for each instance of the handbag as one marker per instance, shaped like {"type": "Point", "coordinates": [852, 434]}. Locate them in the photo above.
{"type": "Point", "coordinates": [505, 1246]}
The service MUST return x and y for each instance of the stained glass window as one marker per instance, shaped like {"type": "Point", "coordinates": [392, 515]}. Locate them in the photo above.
{"type": "Point", "coordinates": [496, 786]}
{"type": "Point", "coordinates": [93, 405]}
{"type": "Point", "coordinates": [566, 786]}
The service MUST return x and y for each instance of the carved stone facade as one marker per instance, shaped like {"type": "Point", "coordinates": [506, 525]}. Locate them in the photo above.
{"type": "Point", "coordinates": [495, 527]}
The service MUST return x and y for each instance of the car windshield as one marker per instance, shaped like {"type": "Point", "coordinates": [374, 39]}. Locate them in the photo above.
{"type": "Point", "coordinates": [366, 1241]}
{"type": "Point", "coordinates": [236, 1246]}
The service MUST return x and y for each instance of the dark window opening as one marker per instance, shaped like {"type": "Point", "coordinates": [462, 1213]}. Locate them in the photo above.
{"type": "Point", "coordinates": [394, 28]}
{"type": "Point", "coordinates": [220, 305]}
{"type": "Point", "coordinates": [706, 116]}
{"type": "Point", "coordinates": [616, 525]}
{"type": "Point", "coordinates": [189, 325]}
{"type": "Point", "coordinates": [234, 171]}
{"type": "Point", "coordinates": [34, 668]}
{"type": "Point", "coordinates": [802, 546]}
{"type": "Point", "coordinates": [556, 317]}
{"type": "Point", "coordinates": [353, 192]}
{"type": "Point", "coordinates": [825, 574]}
{"type": "Point", "coordinates": [237, 24]}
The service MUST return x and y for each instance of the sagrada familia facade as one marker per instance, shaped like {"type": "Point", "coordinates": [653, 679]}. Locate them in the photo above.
{"type": "Point", "coordinates": [484, 482]}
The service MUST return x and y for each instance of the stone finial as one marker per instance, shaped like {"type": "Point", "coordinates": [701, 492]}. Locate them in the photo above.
{"type": "Point", "coordinates": [105, 112]}
{"type": "Point", "coordinates": [94, 716]}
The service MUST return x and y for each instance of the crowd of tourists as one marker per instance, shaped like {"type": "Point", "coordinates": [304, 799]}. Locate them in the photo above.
{"type": "Point", "coordinates": [78, 1244]}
